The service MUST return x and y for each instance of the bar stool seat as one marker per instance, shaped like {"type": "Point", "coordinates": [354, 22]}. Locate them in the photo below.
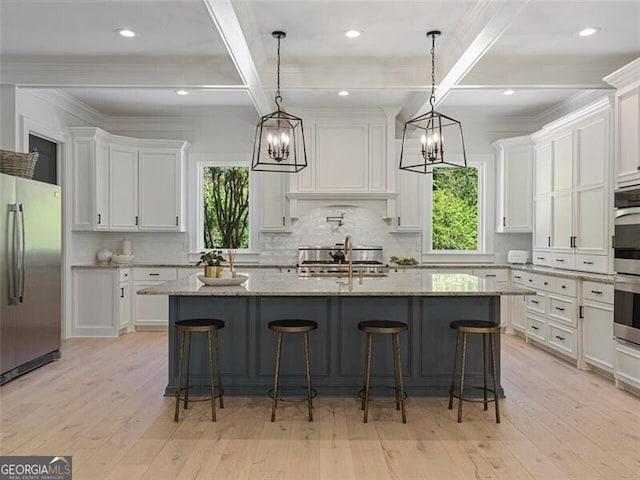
{"type": "Point", "coordinates": [393, 328]}
{"type": "Point", "coordinates": [292, 326]}
{"type": "Point", "coordinates": [484, 328]}
{"type": "Point", "coordinates": [185, 328]}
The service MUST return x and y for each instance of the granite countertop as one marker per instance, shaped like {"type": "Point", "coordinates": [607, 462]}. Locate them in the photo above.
{"type": "Point", "coordinates": [554, 272]}
{"type": "Point", "coordinates": [172, 265]}
{"type": "Point", "coordinates": [290, 284]}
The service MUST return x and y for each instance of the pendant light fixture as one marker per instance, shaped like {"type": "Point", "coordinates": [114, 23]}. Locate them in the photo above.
{"type": "Point", "coordinates": [432, 127]}
{"type": "Point", "coordinates": [279, 142]}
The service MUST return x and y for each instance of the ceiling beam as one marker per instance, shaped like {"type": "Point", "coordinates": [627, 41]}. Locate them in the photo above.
{"type": "Point", "coordinates": [480, 29]}
{"type": "Point", "coordinates": [226, 21]}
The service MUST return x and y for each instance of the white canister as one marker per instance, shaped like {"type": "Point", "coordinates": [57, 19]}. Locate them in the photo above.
{"type": "Point", "coordinates": [126, 247]}
{"type": "Point", "coordinates": [103, 256]}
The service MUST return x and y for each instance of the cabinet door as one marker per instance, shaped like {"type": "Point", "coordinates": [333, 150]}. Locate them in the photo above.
{"type": "Point", "coordinates": [542, 215]}
{"type": "Point", "coordinates": [125, 305]}
{"type": "Point", "coordinates": [519, 313]}
{"type": "Point", "coordinates": [628, 136]}
{"type": "Point", "coordinates": [160, 192]}
{"type": "Point", "coordinates": [543, 173]}
{"type": "Point", "coordinates": [517, 197]}
{"type": "Point", "coordinates": [592, 221]}
{"type": "Point", "coordinates": [562, 221]}
{"type": "Point", "coordinates": [123, 187]}
{"type": "Point", "coordinates": [342, 158]}
{"type": "Point", "coordinates": [597, 335]}
{"type": "Point", "coordinates": [150, 310]}
{"type": "Point", "coordinates": [102, 186]}
{"type": "Point", "coordinates": [592, 158]}
{"type": "Point", "coordinates": [410, 187]}
{"type": "Point", "coordinates": [563, 162]}
{"type": "Point", "coordinates": [273, 217]}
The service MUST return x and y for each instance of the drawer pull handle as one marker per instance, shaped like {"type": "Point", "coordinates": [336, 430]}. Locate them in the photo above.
{"type": "Point", "coordinates": [534, 327]}
{"type": "Point", "coordinates": [535, 301]}
{"type": "Point", "coordinates": [489, 275]}
{"type": "Point", "coordinates": [596, 292]}
{"type": "Point", "coordinates": [560, 338]}
{"type": "Point", "coordinates": [121, 292]}
{"type": "Point", "coordinates": [154, 274]}
{"type": "Point", "coordinates": [539, 258]}
{"type": "Point", "coordinates": [559, 260]}
{"type": "Point", "coordinates": [587, 263]}
{"type": "Point", "coordinates": [559, 309]}
{"type": "Point", "coordinates": [516, 276]}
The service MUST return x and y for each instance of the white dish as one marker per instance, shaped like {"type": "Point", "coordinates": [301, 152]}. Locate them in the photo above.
{"type": "Point", "coordinates": [224, 281]}
{"type": "Point", "coordinates": [122, 259]}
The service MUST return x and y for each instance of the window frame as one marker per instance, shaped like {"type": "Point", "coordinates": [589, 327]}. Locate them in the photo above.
{"type": "Point", "coordinates": [199, 215]}
{"type": "Point", "coordinates": [483, 163]}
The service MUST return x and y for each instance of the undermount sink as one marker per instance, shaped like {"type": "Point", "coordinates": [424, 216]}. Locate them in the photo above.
{"type": "Point", "coordinates": [344, 275]}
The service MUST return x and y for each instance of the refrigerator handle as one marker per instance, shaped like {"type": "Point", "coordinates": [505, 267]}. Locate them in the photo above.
{"type": "Point", "coordinates": [23, 270]}
{"type": "Point", "coordinates": [13, 278]}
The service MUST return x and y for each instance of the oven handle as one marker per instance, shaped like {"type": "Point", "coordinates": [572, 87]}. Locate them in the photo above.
{"type": "Point", "coordinates": [626, 284]}
{"type": "Point", "coordinates": [625, 212]}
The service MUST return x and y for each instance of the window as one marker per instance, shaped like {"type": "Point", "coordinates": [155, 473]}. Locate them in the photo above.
{"type": "Point", "coordinates": [225, 207]}
{"type": "Point", "coordinates": [455, 213]}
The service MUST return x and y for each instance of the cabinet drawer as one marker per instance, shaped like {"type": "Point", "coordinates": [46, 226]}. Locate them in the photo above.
{"type": "Point", "coordinates": [497, 274]}
{"type": "Point", "coordinates": [563, 260]}
{"type": "Point", "coordinates": [600, 292]}
{"type": "Point", "coordinates": [542, 258]}
{"type": "Point", "coordinates": [125, 275]}
{"type": "Point", "coordinates": [155, 274]}
{"type": "Point", "coordinates": [537, 303]}
{"type": "Point", "coordinates": [592, 263]}
{"type": "Point", "coordinates": [536, 329]}
{"type": "Point", "coordinates": [566, 286]}
{"type": "Point", "coordinates": [563, 311]}
{"type": "Point", "coordinates": [563, 339]}
{"type": "Point", "coordinates": [533, 281]}
{"type": "Point", "coordinates": [519, 278]}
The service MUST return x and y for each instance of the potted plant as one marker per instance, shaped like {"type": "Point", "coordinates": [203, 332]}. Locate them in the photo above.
{"type": "Point", "coordinates": [211, 261]}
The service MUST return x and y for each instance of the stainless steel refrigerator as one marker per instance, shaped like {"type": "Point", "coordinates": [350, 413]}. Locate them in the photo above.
{"type": "Point", "coordinates": [30, 275]}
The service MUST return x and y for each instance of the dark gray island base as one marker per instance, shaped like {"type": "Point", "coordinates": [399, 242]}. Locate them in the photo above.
{"type": "Point", "coordinates": [337, 346]}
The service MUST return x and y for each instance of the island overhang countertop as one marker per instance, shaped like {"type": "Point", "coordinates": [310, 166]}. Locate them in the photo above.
{"type": "Point", "coordinates": [402, 284]}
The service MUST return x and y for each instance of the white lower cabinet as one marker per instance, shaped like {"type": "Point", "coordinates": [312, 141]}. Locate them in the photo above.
{"type": "Point", "coordinates": [101, 302]}
{"type": "Point", "coordinates": [152, 311]}
{"type": "Point", "coordinates": [627, 366]}
{"type": "Point", "coordinates": [598, 345]}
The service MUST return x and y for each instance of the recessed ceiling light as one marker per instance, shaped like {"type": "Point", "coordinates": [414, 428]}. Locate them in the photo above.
{"type": "Point", "coordinates": [126, 32]}
{"type": "Point", "coordinates": [182, 92]}
{"type": "Point", "coordinates": [509, 92]}
{"type": "Point", "coordinates": [343, 93]}
{"type": "Point", "coordinates": [352, 33]}
{"type": "Point", "coordinates": [588, 31]}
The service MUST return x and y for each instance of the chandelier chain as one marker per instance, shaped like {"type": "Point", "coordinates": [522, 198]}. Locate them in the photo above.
{"type": "Point", "coordinates": [432, 98]}
{"type": "Point", "coordinates": [278, 96]}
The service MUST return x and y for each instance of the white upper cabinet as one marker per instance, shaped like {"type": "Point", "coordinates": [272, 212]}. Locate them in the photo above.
{"type": "Point", "coordinates": [573, 200]}
{"type": "Point", "coordinates": [123, 187]}
{"type": "Point", "coordinates": [272, 191]}
{"type": "Point", "coordinates": [160, 186]}
{"type": "Point", "coordinates": [627, 123]}
{"type": "Point", "coordinates": [126, 184]}
{"type": "Point", "coordinates": [514, 202]}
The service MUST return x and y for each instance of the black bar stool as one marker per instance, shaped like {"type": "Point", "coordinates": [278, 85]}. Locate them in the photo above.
{"type": "Point", "coordinates": [484, 328]}
{"type": "Point", "coordinates": [371, 327]}
{"type": "Point", "coordinates": [292, 326]}
{"type": "Point", "coordinates": [185, 328]}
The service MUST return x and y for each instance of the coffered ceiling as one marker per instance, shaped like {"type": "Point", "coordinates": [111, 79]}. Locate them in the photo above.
{"type": "Point", "coordinates": [222, 53]}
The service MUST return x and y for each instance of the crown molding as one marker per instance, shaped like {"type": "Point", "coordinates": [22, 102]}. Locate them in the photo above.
{"type": "Point", "coordinates": [573, 103]}
{"type": "Point", "coordinates": [623, 76]}
{"type": "Point", "coordinates": [68, 104]}
{"type": "Point", "coordinates": [594, 108]}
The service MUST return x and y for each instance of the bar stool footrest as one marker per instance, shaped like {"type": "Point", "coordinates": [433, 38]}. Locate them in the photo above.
{"type": "Point", "coordinates": [199, 398]}
{"type": "Point", "coordinates": [360, 394]}
{"type": "Point", "coordinates": [474, 399]}
{"type": "Point", "coordinates": [314, 393]}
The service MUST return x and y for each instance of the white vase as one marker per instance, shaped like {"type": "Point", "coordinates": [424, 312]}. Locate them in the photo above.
{"type": "Point", "coordinates": [104, 256]}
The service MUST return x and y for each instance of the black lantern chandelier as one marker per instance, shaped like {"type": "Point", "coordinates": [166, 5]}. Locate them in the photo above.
{"type": "Point", "coordinates": [431, 127]}
{"type": "Point", "coordinates": [279, 142]}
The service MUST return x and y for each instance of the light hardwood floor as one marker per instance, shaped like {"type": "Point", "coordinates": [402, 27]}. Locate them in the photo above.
{"type": "Point", "coordinates": [103, 404]}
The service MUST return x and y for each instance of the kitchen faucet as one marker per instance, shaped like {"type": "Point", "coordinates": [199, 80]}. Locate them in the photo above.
{"type": "Point", "coordinates": [348, 250]}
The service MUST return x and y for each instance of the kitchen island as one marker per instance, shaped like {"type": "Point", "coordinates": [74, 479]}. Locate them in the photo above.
{"type": "Point", "coordinates": [427, 302]}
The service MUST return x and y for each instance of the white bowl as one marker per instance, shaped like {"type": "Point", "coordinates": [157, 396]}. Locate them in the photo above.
{"type": "Point", "coordinates": [224, 281]}
{"type": "Point", "coordinates": [122, 259]}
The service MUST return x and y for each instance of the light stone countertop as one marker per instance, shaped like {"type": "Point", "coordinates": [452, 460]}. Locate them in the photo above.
{"type": "Point", "coordinates": [554, 272]}
{"type": "Point", "coordinates": [171, 265]}
{"type": "Point", "coordinates": [404, 284]}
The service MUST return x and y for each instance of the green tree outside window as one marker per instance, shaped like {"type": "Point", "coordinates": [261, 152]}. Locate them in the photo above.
{"type": "Point", "coordinates": [455, 209]}
{"type": "Point", "coordinates": [226, 207]}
